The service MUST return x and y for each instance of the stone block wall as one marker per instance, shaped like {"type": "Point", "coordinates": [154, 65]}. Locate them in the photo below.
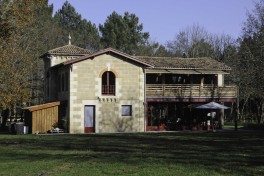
{"type": "Point", "coordinates": [85, 89]}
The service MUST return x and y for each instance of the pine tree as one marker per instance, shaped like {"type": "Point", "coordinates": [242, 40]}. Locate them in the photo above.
{"type": "Point", "coordinates": [123, 32]}
{"type": "Point", "coordinates": [83, 32]}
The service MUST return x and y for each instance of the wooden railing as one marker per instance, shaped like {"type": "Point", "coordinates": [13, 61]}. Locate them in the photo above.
{"type": "Point", "coordinates": [187, 90]}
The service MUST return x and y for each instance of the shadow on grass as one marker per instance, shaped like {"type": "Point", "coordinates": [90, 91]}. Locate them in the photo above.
{"type": "Point", "coordinates": [224, 153]}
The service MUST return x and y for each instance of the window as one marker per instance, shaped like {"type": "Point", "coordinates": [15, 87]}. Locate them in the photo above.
{"type": "Point", "coordinates": [126, 110]}
{"type": "Point", "coordinates": [108, 83]}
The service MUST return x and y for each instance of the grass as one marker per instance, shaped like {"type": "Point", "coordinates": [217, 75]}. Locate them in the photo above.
{"type": "Point", "coordinates": [182, 153]}
{"type": "Point", "coordinates": [246, 125]}
{"type": "Point", "coordinates": [232, 127]}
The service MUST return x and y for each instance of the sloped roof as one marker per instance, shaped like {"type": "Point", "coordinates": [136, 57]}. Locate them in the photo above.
{"type": "Point", "coordinates": [104, 51]}
{"type": "Point", "coordinates": [69, 50]}
{"type": "Point", "coordinates": [202, 63]}
{"type": "Point", "coordinates": [43, 106]}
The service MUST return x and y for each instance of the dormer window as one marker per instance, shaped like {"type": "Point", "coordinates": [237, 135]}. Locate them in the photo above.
{"type": "Point", "coordinates": [108, 83]}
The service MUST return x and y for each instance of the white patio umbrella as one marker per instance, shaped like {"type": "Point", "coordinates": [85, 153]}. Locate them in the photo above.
{"type": "Point", "coordinates": [212, 105]}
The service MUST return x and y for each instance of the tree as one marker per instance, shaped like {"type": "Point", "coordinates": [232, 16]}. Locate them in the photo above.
{"type": "Point", "coordinates": [222, 47]}
{"type": "Point", "coordinates": [83, 32]}
{"type": "Point", "coordinates": [153, 49]}
{"type": "Point", "coordinates": [251, 54]}
{"type": "Point", "coordinates": [195, 41]}
{"type": "Point", "coordinates": [16, 51]}
{"type": "Point", "coordinates": [188, 41]}
{"type": "Point", "coordinates": [242, 63]}
{"type": "Point", "coordinates": [88, 36]}
{"type": "Point", "coordinates": [123, 32]}
{"type": "Point", "coordinates": [200, 48]}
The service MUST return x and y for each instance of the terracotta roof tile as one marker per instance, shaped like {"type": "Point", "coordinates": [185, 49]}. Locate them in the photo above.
{"type": "Point", "coordinates": [184, 63]}
{"type": "Point", "coordinates": [202, 63]}
{"type": "Point", "coordinates": [69, 49]}
{"type": "Point", "coordinates": [107, 50]}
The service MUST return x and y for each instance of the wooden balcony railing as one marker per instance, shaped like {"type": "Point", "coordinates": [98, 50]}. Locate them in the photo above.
{"type": "Point", "coordinates": [183, 90]}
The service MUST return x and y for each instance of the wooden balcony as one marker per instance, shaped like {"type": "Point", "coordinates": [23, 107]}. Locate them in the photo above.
{"type": "Point", "coordinates": [190, 91]}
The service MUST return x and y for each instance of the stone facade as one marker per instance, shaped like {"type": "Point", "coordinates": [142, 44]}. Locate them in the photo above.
{"type": "Point", "coordinates": [85, 89]}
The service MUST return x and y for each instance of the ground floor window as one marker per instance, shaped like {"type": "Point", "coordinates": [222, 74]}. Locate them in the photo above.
{"type": "Point", "coordinates": [126, 110]}
{"type": "Point", "coordinates": [173, 116]}
{"type": "Point", "coordinates": [165, 114]}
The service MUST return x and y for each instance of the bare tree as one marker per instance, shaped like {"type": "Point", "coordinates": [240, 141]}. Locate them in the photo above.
{"type": "Point", "coordinates": [195, 41]}
{"type": "Point", "coordinates": [187, 38]}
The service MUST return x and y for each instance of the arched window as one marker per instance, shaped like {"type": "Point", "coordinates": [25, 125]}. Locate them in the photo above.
{"type": "Point", "coordinates": [108, 83]}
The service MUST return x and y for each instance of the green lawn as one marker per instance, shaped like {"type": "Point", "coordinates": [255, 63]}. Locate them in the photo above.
{"type": "Point", "coordinates": [182, 153]}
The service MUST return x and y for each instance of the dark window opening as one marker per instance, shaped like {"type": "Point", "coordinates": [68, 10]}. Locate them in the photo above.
{"type": "Point", "coordinates": [108, 83]}
{"type": "Point", "coordinates": [181, 79]}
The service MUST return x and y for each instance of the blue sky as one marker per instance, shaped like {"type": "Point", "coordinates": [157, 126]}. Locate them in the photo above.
{"type": "Point", "coordinates": [164, 18]}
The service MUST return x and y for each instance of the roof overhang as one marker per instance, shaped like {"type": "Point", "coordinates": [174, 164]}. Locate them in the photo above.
{"type": "Point", "coordinates": [107, 51]}
{"type": "Point", "coordinates": [185, 71]}
{"type": "Point", "coordinates": [210, 72]}
{"type": "Point", "coordinates": [60, 54]}
{"type": "Point", "coordinates": [43, 106]}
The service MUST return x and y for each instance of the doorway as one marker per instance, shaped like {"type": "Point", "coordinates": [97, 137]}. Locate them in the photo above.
{"type": "Point", "coordinates": [89, 118]}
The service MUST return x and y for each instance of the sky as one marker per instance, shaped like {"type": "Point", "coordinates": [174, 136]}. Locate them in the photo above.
{"type": "Point", "coordinates": [163, 19]}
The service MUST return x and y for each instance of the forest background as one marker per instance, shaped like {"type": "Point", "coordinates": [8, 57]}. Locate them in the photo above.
{"type": "Point", "coordinates": [28, 29]}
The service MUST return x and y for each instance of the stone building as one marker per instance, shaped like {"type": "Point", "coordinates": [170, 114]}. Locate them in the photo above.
{"type": "Point", "coordinates": [110, 91]}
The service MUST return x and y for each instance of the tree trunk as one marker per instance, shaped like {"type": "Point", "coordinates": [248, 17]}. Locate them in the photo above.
{"type": "Point", "coordinates": [243, 108]}
{"type": "Point", "coordinates": [260, 108]}
{"type": "Point", "coordinates": [261, 115]}
{"type": "Point", "coordinates": [236, 113]}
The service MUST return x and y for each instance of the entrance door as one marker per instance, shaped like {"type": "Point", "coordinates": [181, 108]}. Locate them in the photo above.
{"type": "Point", "coordinates": [89, 119]}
